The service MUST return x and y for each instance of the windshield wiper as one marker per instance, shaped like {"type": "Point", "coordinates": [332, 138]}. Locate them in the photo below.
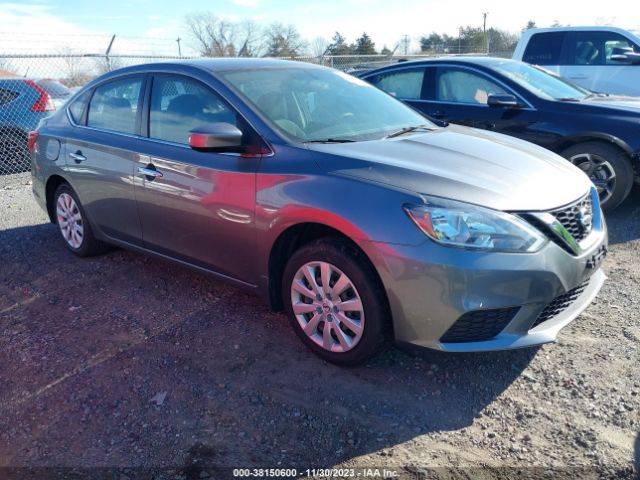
{"type": "Point", "coordinates": [331, 140]}
{"type": "Point", "coordinates": [598, 95]}
{"type": "Point", "coordinates": [408, 130]}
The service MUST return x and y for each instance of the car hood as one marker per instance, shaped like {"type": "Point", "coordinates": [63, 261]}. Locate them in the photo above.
{"type": "Point", "coordinates": [460, 163]}
{"type": "Point", "coordinates": [629, 104]}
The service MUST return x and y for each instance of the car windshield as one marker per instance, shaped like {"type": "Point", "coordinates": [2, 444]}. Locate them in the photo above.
{"type": "Point", "coordinates": [53, 88]}
{"type": "Point", "coordinates": [540, 82]}
{"type": "Point", "coordinates": [316, 104]}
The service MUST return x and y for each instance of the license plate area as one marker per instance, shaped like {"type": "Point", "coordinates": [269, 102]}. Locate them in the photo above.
{"type": "Point", "coordinates": [595, 260]}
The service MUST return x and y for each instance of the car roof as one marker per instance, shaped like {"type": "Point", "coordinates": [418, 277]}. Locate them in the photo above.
{"type": "Point", "coordinates": [606, 28]}
{"type": "Point", "coordinates": [225, 64]}
{"type": "Point", "coordinates": [483, 61]}
{"type": "Point", "coordinates": [210, 65]}
{"type": "Point", "coordinates": [33, 79]}
{"type": "Point", "coordinates": [599, 28]}
{"type": "Point", "coordinates": [241, 63]}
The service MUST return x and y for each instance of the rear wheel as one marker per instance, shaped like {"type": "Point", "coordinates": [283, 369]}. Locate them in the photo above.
{"type": "Point", "coordinates": [72, 223]}
{"type": "Point", "coordinates": [608, 167]}
{"type": "Point", "coordinates": [335, 302]}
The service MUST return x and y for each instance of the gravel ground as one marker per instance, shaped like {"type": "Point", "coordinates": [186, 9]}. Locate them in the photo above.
{"type": "Point", "coordinates": [124, 361]}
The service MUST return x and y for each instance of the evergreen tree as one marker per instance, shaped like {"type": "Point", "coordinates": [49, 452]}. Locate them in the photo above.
{"type": "Point", "coordinates": [339, 46]}
{"type": "Point", "coordinates": [364, 46]}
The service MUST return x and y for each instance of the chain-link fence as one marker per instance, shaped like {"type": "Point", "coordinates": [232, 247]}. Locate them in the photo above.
{"type": "Point", "coordinates": [33, 86]}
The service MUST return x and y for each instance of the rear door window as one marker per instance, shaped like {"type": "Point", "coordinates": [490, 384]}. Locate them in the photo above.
{"type": "Point", "coordinates": [405, 84]}
{"type": "Point", "coordinates": [114, 105]}
{"type": "Point", "coordinates": [7, 96]}
{"type": "Point", "coordinates": [545, 48]}
{"type": "Point", "coordinates": [54, 89]}
{"type": "Point", "coordinates": [77, 107]}
{"type": "Point", "coordinates": [180, 104]}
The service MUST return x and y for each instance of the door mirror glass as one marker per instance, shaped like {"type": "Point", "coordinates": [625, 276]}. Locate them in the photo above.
{"type": "Point", "coordinates": [502, 100]}
{"type": "Point", "coordinates": [216, 137]}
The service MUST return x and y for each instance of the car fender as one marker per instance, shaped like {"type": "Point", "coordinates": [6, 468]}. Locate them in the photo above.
{"type": "Point", "coordinates": [589, 136]}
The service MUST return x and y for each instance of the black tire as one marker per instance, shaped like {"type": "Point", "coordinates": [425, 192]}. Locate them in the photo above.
{"type": "Point", "coordinates": [89, 246]}
{"type": "Point", "coordinates": [353, 263]}
{"type": "Point", "coordinates": [620, 163]}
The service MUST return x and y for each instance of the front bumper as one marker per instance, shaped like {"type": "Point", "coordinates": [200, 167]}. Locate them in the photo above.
{"type": "Point", "coordinates": [430, 287]}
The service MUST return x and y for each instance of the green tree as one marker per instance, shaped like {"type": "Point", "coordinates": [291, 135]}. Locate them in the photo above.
{"type": "Point", "coordinates": [471, 40]}
{"type": "Point", "coordinates": [530, 24]}
{"type": "Point", "coordinates": [283, 41]}
{"type": "Point", "coordinates": [364, 46]}
{"type": "Point", "coordinates": [385, 51]}
{"type": "Point", "coordinates": [501, 41]}
{"type": "Point", "coordinates": [339, 46]}
{"type": "Point", "coordinates": [433, 42]}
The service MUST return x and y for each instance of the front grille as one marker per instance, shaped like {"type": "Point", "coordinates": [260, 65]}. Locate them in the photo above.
{"type": "Point", "coordinates": [577, 218]}
{"type": "Point", "coordinates": [479, 325]}
{"type": "Point", "coordinates": [560, 304]}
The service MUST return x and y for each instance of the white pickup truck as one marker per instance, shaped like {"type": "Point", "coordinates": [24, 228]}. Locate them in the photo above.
{"type": "Point", "coordinates": [601, 59]}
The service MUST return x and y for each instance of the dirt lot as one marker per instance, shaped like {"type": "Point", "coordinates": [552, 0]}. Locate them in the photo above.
{"type": "Point", "coordinates": [123, 361]}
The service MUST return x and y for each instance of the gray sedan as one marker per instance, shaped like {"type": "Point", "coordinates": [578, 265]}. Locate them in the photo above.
{"type": "Point", "coordinates": [355, 214]}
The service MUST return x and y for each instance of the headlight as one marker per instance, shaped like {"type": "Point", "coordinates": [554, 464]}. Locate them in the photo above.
{"type": "Point", "coordinates": [463, 225]}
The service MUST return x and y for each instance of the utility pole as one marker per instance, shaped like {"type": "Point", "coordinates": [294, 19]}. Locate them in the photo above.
{"type": "Point", "coordinates": [106, 54]}
{"type": "Point", "coordinates": [459, 40]}
{"type": "Point", "coordinates": [484, 30]}
{"type": "Point", "coordinates": [405, 44]}
{"type": "Point", "coordinates": [179, 51]}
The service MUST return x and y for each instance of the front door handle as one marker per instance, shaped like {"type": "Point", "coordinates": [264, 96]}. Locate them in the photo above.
{"type": "Point", "coordinates": [149, 171]}
{"type": "Point", "coordinates": [578, 77]}
{"type": "Point", "coordinates": [77, 156]}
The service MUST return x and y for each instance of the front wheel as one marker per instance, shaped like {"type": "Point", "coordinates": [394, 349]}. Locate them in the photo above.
{"type": "Point", "coordinates": [607, 166]}
{"type": "Point", "coordinates": [335, 302]}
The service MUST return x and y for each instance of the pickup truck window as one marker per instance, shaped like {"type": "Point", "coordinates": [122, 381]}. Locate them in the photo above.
{"type": "Point", "coordinates": [544, 48]}
{"type": "Point", "coordinates": [596, 48]}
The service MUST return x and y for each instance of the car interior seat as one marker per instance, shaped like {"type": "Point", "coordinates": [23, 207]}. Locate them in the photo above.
{"type": "Point", "coordinates": [586, 53]}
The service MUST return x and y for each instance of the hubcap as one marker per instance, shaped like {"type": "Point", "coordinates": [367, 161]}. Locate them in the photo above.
{"type": "Point", "coordinates": [327, 306]}
{"type": "Point", "coordinates": [70, 220]}
{"type": "Point", "coordinates": [599, 170]}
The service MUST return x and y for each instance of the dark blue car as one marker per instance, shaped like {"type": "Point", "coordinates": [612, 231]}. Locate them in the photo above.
{"type": "Point", "coordinates": [597, 132]}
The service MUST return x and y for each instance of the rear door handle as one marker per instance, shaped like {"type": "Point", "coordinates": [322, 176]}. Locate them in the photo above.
{"type": "Point", "coordinates": [77, 156]}
{"type": "Point", "coordinates": [149, 172]}
{"type": "Point", "coordinates": [578, 77]}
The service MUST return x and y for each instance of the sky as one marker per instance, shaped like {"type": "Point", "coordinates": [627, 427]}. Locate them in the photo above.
{"type": "Point", "coordinates": [151, 26]}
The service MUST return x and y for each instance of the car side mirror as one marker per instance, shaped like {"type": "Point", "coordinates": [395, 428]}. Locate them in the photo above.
{"type": "Point", "coordinates": [495, 100]}
{"type": "Point", "coordinates": [217, 137]}
{"type": "Point", "coordinates": [627, 57]}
